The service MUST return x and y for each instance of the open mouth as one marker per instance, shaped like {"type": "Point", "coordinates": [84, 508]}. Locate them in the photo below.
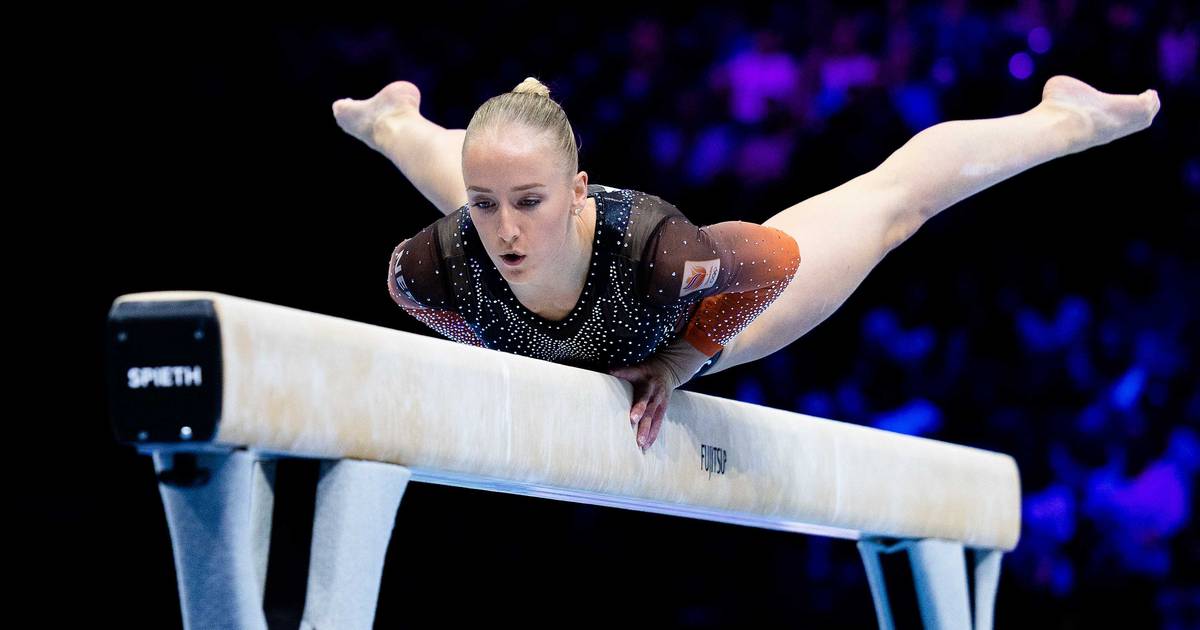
{"type": "Point", "coordinates": [512, 259]}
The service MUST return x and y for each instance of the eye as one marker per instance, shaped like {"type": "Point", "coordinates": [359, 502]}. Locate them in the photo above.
{"type": "Point", "coordinates": [535, 201]}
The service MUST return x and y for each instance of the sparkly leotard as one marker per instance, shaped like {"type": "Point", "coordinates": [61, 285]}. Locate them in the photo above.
{"type": "Point", "coordinates": [653, 276]}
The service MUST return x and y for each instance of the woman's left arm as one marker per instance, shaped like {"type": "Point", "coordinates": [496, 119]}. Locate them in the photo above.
{"type": "Point", "coordinates": [737, 267]}
{"type": "Point", "coordinates": [653, 381]}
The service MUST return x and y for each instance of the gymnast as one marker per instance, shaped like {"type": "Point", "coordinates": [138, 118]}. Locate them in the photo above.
{"type": "Point", "coordinates": [532, 259]}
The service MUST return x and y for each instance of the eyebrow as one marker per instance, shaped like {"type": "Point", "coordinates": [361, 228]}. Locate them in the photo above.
{"type": "Point", "coordinates": [525, 187]}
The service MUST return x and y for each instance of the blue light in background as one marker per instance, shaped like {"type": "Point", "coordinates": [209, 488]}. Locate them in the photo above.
{"type": "Point", "coordinates": [751, 391]}
{"type": "Point", "coordinates": [917, 417]}
{"type": "Point", "coordinates": [1039, 40]}
{"type": "Point", "coordinates": [943, 71]}
{"type": "Point", "coordinates": [1020, 66]}
{"type": "Point", "coordinates": [1127, 390]}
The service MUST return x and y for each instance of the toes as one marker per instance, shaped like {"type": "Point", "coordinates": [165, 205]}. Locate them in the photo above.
{"type": "Point", "coordinates": [1148, 105]}
{"type": "Point", "coordinates": [1151, 99]}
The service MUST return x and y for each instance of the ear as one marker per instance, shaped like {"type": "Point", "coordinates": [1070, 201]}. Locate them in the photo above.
{"type": "Point", "coordinates": [579, 187]}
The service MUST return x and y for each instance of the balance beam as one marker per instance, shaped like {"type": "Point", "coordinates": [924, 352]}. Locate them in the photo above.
{"type": "Point", "coordinates": [214, 385]}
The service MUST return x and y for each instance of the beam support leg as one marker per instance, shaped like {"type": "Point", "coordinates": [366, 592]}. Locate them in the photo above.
{"type": "Point", "coordinates": [352, 525]}
{"type": "Point", "coordinates": [218, 507]}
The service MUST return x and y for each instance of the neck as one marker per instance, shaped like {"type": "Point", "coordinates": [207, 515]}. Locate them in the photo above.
{"type": "Point", "coordinates": [557, 300]}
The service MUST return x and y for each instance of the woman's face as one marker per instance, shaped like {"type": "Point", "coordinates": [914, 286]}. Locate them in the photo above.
{"type": "Point", "coordinates": [520, 202]}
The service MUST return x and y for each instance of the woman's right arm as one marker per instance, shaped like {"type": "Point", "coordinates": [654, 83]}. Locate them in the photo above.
{"type": "Point", "coordinates": [444, 321]}
{"type": "Point", "coordinates": [399, 290]}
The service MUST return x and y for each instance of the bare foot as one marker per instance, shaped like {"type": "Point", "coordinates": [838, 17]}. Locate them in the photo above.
{"type": "Point", "coordinates": [361, 118]}
{"type": "Point", "coordinates": [1102, 117]}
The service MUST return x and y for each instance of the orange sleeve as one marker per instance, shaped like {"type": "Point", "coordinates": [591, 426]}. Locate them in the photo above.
{"type": "Point", "coordinates": [730, 272]}
{"type": "Point", "coordinates": [762, 261]}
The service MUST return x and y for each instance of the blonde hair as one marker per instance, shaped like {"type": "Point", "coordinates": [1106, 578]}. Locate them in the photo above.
{"type": "Point", "coordinates": [529, 105]}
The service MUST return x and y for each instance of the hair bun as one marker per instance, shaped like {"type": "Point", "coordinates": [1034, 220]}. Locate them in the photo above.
{"type": "Point", "coordinates": [532, 86]}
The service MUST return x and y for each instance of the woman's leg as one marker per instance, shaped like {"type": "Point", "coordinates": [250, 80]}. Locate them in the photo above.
{"type": "Point", "coordinates": [429, 155]}
{"type": "Point", "coordinates": [845, 232]}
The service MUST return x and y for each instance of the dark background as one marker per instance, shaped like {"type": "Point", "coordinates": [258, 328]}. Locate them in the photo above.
{"type": "Point", "coordinates": [1052, 317]}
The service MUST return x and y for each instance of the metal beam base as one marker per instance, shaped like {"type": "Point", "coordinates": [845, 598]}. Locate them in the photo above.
{"type": "Point", "coordinates": [219, 505]}
{"type": "Point", "coordinates": [940, 576]}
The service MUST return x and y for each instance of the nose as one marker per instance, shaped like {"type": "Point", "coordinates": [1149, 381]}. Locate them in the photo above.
{"type": "Point", "coordinates": [506, 227]}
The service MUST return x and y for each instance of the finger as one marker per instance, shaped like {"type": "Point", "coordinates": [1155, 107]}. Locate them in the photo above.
{"type": "Point", "coordinates": [659, 416]}
{"type": "Point", "coordinates": [643, 430]}
{"type": "Point", "coordinates": [643, 396]}
{"type": "Point", "coordinates": [655, 421]}
{"type": "Point", "coordinates": [645, 407]}
{"type": "Point", "coordinates": [638, 411]}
